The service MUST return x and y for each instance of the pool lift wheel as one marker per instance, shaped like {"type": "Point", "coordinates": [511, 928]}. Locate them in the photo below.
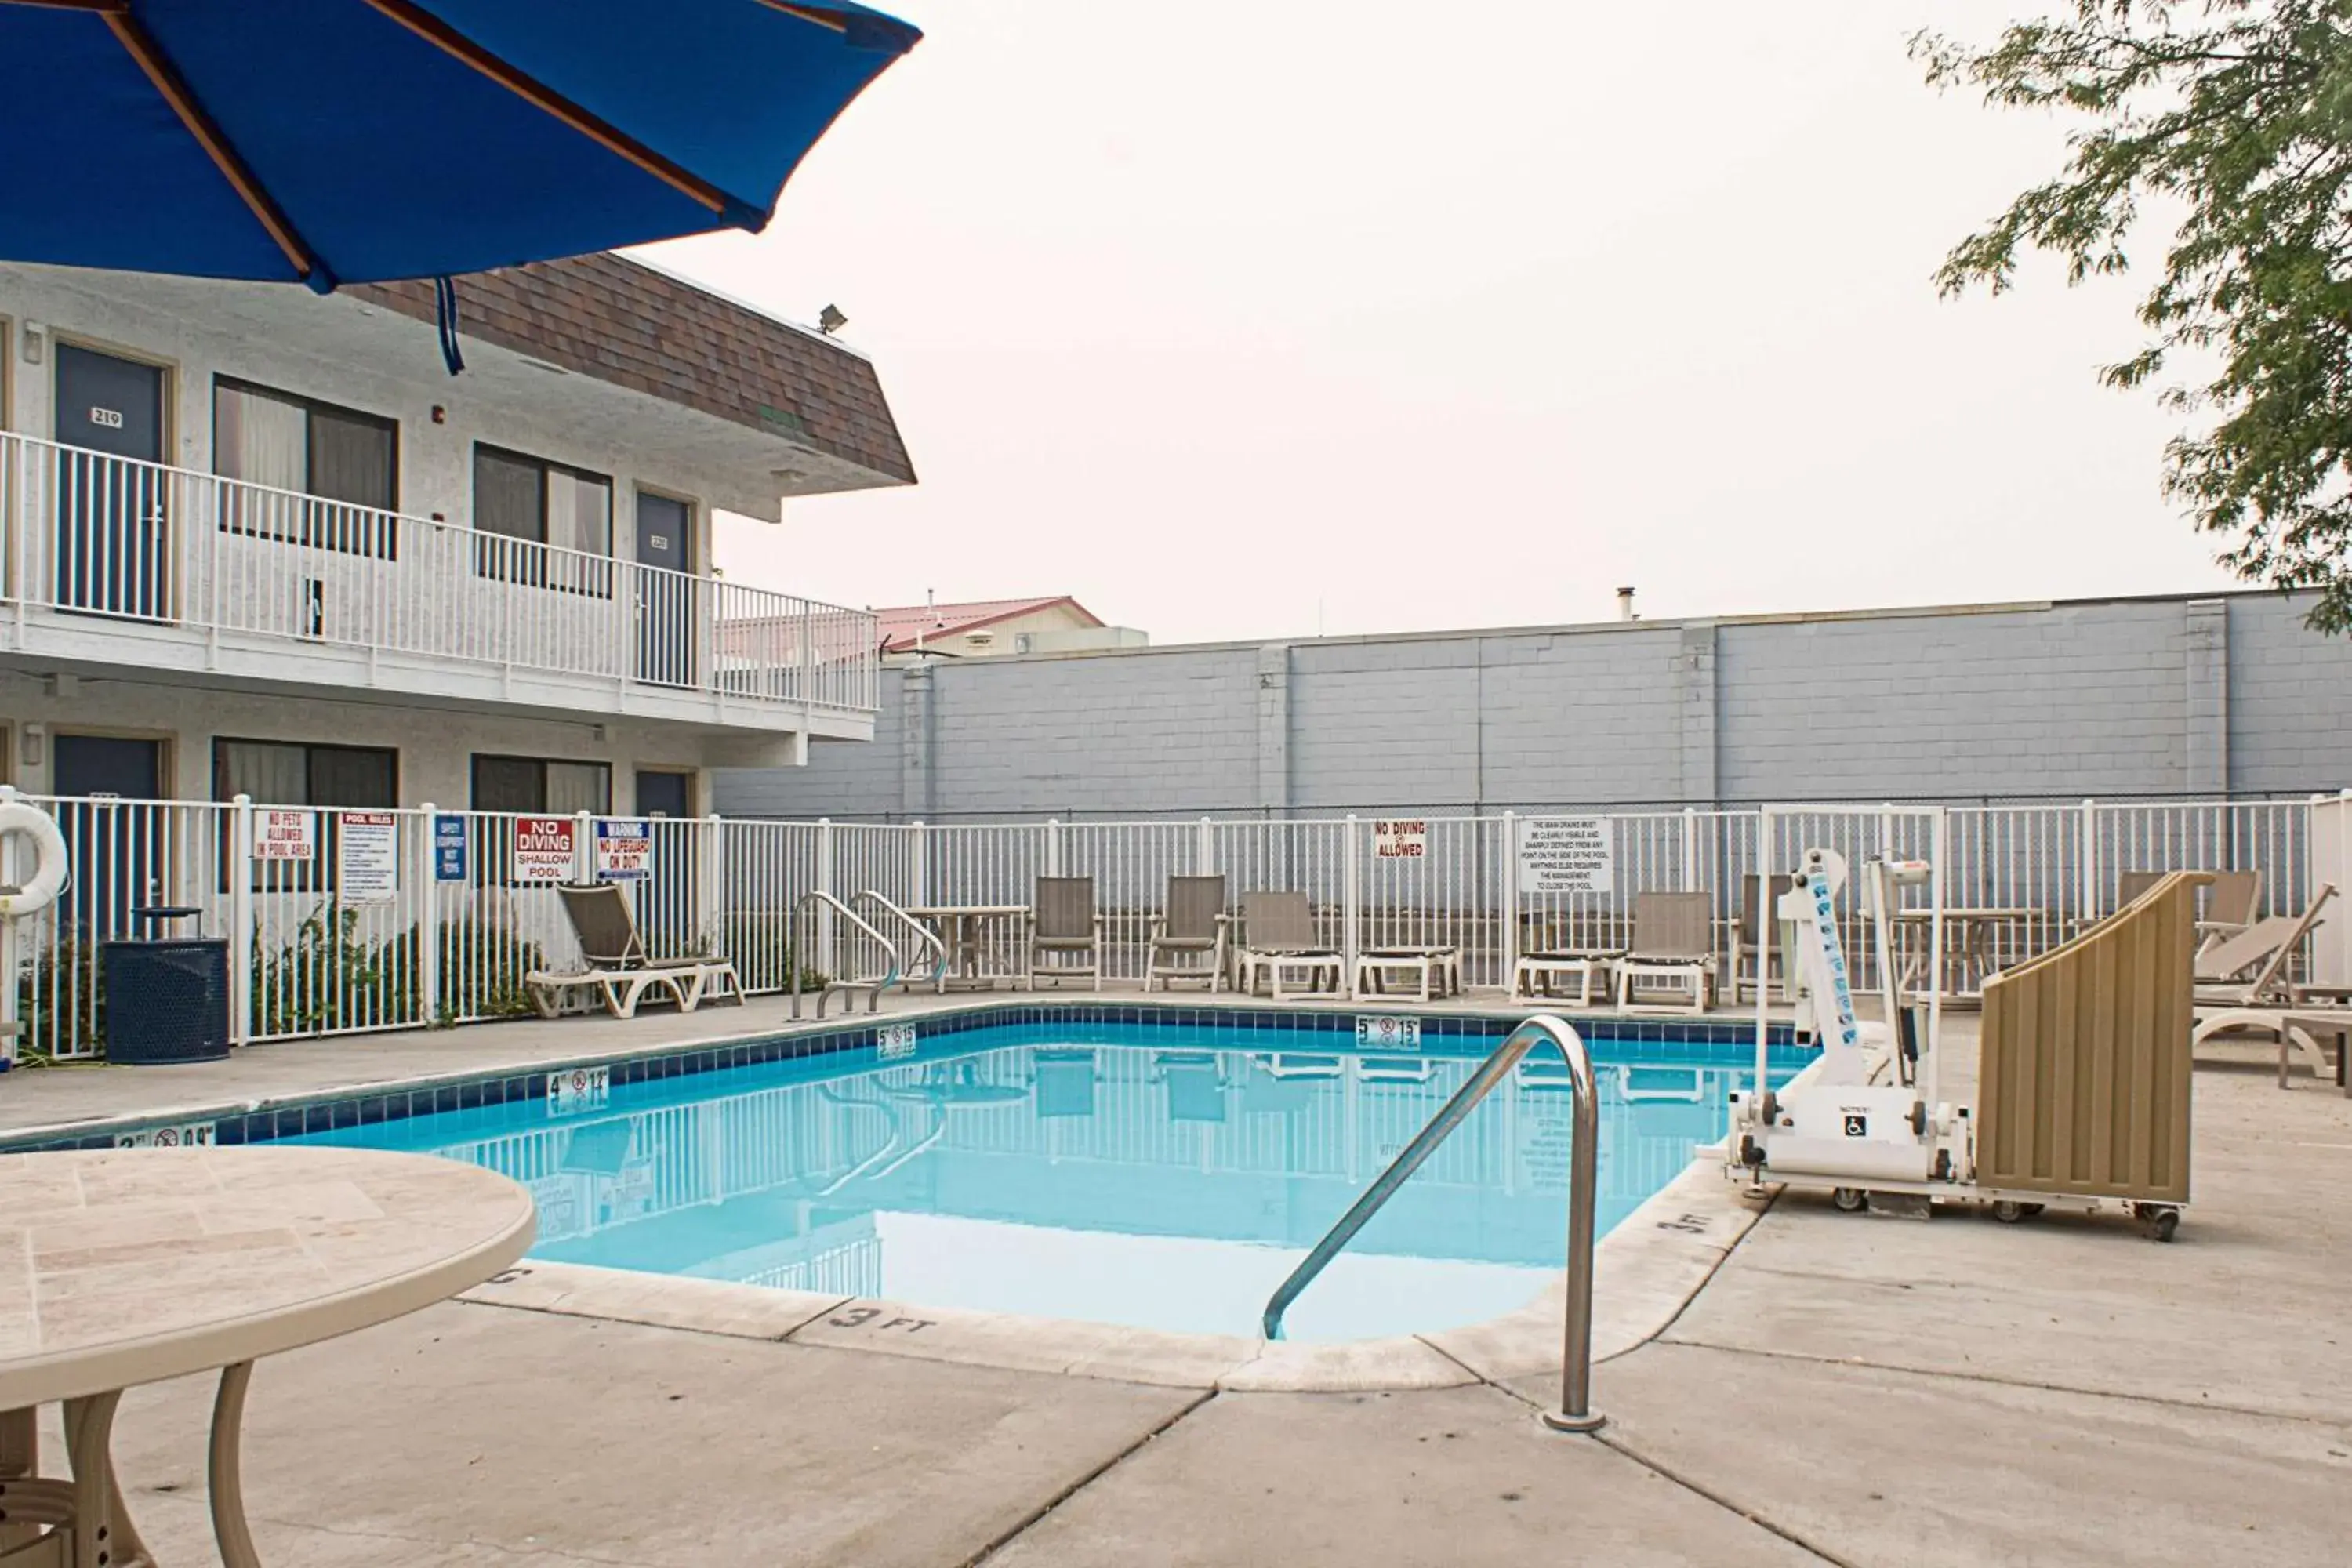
{"type": "Point", "coordinates": [1864, 1122]}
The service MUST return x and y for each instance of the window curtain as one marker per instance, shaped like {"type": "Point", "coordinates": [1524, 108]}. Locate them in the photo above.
{"type": "Point", "coordinates": [353, 460]}
{"type": "Point", "coordinates": [509, 496]}
{"type": "Point", "coordinates": [579, 513]}
{"type": "Point", "coordinates": [579, 787]}
{"type": "Point", "coordinates": [261, 440]}
{"type": "Point", "coordinates": [270, 774]}
{"type": "Point", "coordinates": [353, 776]}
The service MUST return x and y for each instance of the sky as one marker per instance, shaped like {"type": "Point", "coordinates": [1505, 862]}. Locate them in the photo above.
{"type": "Point", "coordinates": [1274, 320]}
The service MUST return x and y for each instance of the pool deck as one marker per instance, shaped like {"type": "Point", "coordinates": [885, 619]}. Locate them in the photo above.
{"type": "Point", "coordinates": [1843, 1389]}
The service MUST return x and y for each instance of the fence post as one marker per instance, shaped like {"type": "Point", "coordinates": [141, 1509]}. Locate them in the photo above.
{"type": "Point", "coordinates": [1204, 849]}
{"type": "Point", "coordinates": [919, 866]}
{"type": "Point", "coordinates": [583, 848]}
{"type": "Point", "coordinates": [429, 917]}
{"type": "Point", "coordinates": [1351, 901]}
{"type": "Point", "coordinates": [1052, 846]}
{"type": "Point", "coordinates": [1509, 944]}
{"type": "Point", "coordinates": [822, 881]}
{"type": "Point", "coordinates": [710, 890]}
{"type": "Point", "coordinates": [240, 923]}
{"type": "Point", "coordinates": [2090, 875]}
{"type": "Point", "coordinates": [1690, 850]}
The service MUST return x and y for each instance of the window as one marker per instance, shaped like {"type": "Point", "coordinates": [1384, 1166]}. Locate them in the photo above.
{"type": "Point", "coordinates": [275, 772]}
{"type": "Point", "coordinates": [539, 502]}
{"type": "Point", "coordinates": [278, 773]}
{"type": "Point", "coordinates": [531, 785]}
{"type": "Point", "coordinates": [341, 470]}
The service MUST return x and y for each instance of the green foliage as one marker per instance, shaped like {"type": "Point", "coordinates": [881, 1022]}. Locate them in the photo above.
{"type": "Point", "coordinates": [331, 977]}
{"type": "Point", "coordinates": [58, 997]}
{"type": "Point", "coordinates": [2240, 113]}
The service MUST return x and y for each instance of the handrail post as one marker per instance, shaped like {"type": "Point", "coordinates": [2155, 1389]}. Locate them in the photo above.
{"type": "Point", "coordinates": [1575, 1413]}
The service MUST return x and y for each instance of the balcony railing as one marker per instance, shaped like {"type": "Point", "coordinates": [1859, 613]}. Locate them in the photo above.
{"type": "Point", "coordinates": [104, 536]}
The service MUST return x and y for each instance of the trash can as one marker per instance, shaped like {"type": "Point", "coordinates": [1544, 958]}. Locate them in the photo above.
{"type": "Point", "coordinates": [166, 996]}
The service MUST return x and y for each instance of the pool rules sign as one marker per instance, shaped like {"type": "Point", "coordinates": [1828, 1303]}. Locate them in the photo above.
{"type": "Point", "coordinates": [1568, 855]}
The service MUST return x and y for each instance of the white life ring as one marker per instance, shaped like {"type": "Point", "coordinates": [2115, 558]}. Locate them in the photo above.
{"type": "Point", "coordinates": [41, 890]}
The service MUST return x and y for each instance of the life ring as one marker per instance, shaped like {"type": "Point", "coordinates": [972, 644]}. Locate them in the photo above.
{"type": "Point", "coordinates": [39, 891]}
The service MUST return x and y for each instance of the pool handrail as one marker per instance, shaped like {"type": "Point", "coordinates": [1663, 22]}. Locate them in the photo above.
{"type": "Point", "coordinates": [1575, 1412]}
{"type": "Point", "coordinates": [794, 951]}
{"type": "Point", "coordinates": [925, 938]}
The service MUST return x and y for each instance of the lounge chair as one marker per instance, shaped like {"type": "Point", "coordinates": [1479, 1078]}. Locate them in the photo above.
{"type": "Point", "coordinates": [615, 964]}
{"type": "Point", "coordinates": [2228, 1003]}
{"type": "Point", "coordinates": [1672, 942]}
{"type": "Point", "coordinates": [2229, 902]}
{"type": "Point", "coordinates": [1545, 963]}
{"type": "Point", "coordinates": [1064, 932]}
{"type": "Point", "coordinates": [1278, 935]}
{"type": "Point", "coordinates": [1192, 927]}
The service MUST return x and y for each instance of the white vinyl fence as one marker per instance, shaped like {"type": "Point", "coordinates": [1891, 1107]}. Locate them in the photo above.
{"type": "Point", "coordinates": [341, 922]}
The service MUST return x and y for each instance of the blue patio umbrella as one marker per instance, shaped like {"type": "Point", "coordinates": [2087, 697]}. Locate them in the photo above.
{"type": "Point", "coordinates": [328, 141]}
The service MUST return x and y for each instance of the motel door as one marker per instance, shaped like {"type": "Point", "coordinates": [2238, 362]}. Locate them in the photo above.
{"type": "Point", "coordinates": [666, 599]}
{"type": "Point", "coordinates": [112, 837]}
{"type": "Point", "coordinates": [112, 535]}
{"type": "Point", "coordinates": [668, 911]}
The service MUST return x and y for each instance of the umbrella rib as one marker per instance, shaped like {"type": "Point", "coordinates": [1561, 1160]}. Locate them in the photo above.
{"type": "Point", "coordinates": [141, 46]}
{"type": "Point", "coordinates": [537, 94]}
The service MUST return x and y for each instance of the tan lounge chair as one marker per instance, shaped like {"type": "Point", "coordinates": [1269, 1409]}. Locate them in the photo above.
{"type": "Point", "coordinates": [2227, 1002]}
{"type": "Point", "coordinates": [615, 965]}
{"type": "Point", "coordinates": [1191, 929]}
{"type": "Point", "coordinates": [1542, 968]}
{"type": "Point", "coordinates": [1064, 932]}
{"type": "Point", "coordinates": [2229, 902]}
{"type": "Point", "coordinates": [1672, 942]}
{"type": "Point", "coordinates": [1278, 935]}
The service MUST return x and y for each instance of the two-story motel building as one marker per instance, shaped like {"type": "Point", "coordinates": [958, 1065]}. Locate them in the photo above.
{"type": "Point", "coordinates": [259, 541]}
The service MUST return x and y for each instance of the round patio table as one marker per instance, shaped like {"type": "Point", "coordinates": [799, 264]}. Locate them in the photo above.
{"type": "Point", "coordinates": [123, 1266]}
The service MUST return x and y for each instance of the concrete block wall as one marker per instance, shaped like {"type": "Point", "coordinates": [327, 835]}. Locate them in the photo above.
{"type": "Point", "coordinates": [2131, 697]}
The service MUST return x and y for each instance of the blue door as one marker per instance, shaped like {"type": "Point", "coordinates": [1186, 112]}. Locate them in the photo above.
{"type": "Point", "coordinates": [668, 591]}
{"type": "Point", "coordinates": [113, 838]}
{"type": "Point", "coordinates": [112, 553]}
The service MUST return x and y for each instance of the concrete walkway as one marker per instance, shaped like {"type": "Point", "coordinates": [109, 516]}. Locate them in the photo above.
{"type": "Point", "coordinates": [1847, 1389]}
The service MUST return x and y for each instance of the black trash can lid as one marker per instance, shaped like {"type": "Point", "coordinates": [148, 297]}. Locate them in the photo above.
{"type": "Point", "coordinates": [167, 912]}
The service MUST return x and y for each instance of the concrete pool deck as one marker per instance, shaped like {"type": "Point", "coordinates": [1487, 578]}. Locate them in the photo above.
{"type": "Point", "coordinates": [1844, 1389]}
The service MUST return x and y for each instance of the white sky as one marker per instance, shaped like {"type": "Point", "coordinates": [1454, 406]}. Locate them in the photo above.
{"type": "Point", "coordinates": [1239, 319]}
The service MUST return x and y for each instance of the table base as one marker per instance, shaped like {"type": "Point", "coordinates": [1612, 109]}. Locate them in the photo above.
{"type": "Point", "coordinates": [81, 1522]}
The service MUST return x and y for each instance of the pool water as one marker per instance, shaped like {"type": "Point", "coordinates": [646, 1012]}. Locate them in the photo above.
{"type": "Point", "coordinates": [1150, 1176]}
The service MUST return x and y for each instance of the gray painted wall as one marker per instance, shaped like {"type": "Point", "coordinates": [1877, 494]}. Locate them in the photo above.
{"type": "Point", "coordinates": [2130, 697]}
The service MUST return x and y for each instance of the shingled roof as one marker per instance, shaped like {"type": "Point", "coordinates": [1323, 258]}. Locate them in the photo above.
{"type": "Point", "coordinates": [622, 322]}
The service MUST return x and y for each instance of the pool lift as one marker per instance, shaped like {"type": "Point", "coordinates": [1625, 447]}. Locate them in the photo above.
{"type": "Point", "coordinates": [1867, 1120]}
{"type": "Point", "coordinates": [1866, 1117]}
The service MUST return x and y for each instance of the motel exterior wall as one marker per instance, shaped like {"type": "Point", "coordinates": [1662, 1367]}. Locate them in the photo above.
{"type": "Point", "coordinates": [2183, 696]}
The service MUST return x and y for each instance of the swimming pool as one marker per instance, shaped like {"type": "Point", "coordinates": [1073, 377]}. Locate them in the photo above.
{"type": "Point", "coordinates": [1163, 1175]}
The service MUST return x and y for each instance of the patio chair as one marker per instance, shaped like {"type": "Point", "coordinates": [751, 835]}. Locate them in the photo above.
{"type": "Point", "coordinates": [614, 963]}
{"type": "Point", "coordinates": [1545, 961]}
{"type": "Point", "coordinates": [2230, 902]}
{"type": "Point", "coordinates": [1759, 958]}
{"type": "Point", "coordinates": [2227, 1002]}
{"type": "Point", "coordinates": [1191, 928]}
{"type": "Point", "coordinates": [1278, 934]}
{"type": "Point", "coordinates": [1064, 932]}
{"type": "Point", "coordinates": [1672, 942]}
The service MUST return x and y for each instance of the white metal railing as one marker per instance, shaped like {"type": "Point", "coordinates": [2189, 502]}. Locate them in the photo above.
{"type": "Point", "coordinates": [345, 920]}
{"type": "Point", "coordinates": [106, 536]}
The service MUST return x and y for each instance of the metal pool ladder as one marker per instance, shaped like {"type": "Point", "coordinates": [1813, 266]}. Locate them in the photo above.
{"type": "Point", "coordinates": [1575, 1412]}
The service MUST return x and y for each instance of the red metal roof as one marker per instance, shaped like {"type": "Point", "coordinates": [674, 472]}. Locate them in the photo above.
{"type": "Point", "coordinates": [901, 624]}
